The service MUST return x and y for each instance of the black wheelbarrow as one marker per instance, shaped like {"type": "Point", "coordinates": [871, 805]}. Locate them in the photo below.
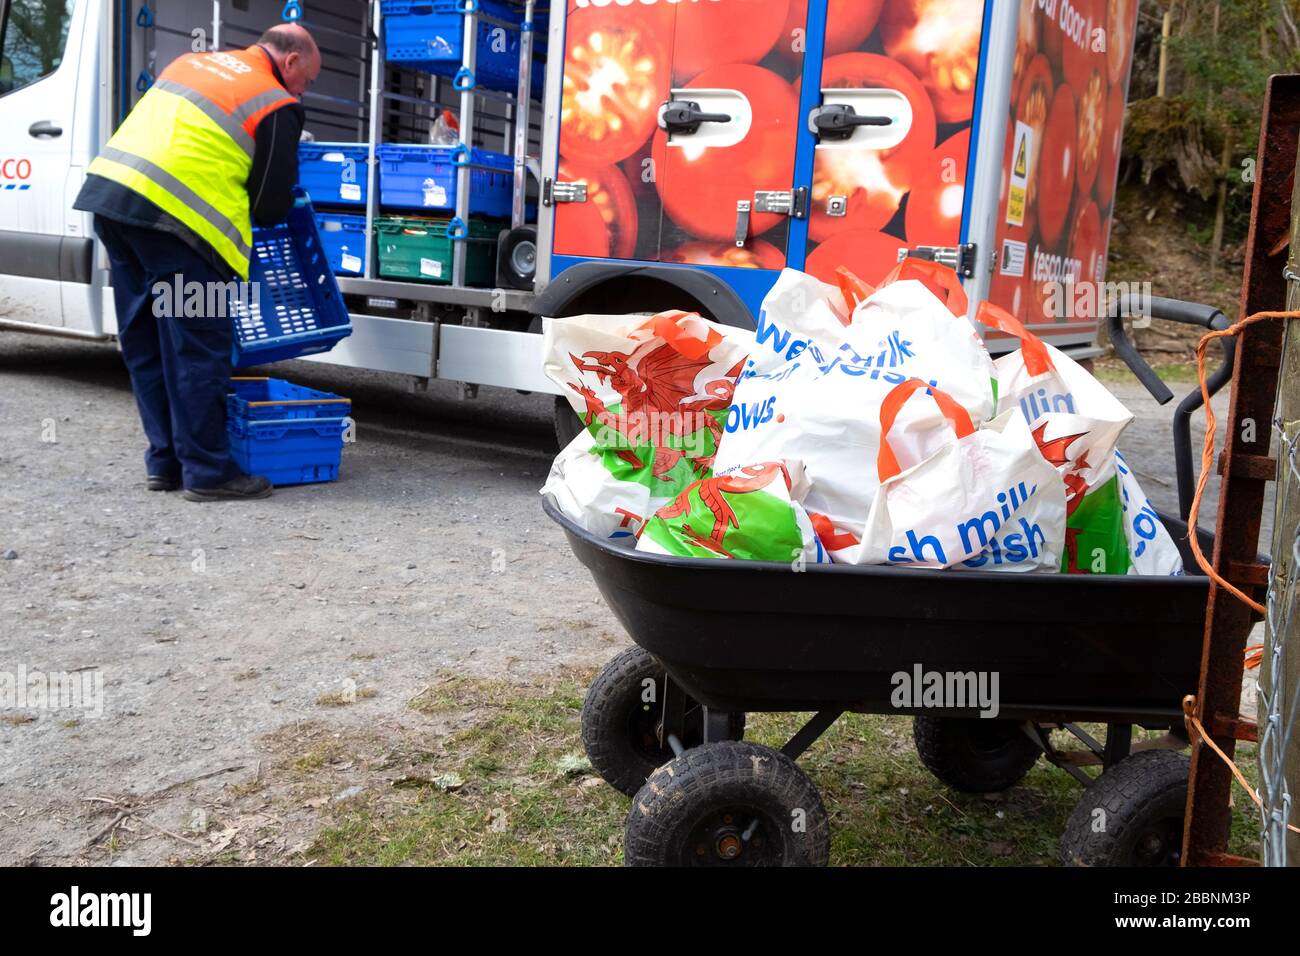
{"type": "Point", "coordinates": [664, 721]}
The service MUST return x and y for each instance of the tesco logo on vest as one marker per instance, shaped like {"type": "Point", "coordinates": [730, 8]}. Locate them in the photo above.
{"type": "Point", "coordinates": [230, 63]}
{"type": "Point", "coordinates": [15, 169]}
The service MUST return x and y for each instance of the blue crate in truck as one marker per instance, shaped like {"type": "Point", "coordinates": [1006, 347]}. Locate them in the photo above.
{"type": "Point", "coordinates": [424, 177]}
{"type": "Point", "coordinates": [429, 35]}
{"type": "Point", "coordinates": [288, 433]}
{"type": "Point", "coordinates": [344, 239]}
{"type": "Point", "coordinates": [334, 174]}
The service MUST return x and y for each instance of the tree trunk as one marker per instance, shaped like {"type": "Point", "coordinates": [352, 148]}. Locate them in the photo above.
{"type": "Point", "coordinates": [1221, 210]}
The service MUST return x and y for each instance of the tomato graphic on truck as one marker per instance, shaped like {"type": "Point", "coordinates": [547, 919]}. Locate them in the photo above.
{"type": "Point", "coordinates": [737, 137]}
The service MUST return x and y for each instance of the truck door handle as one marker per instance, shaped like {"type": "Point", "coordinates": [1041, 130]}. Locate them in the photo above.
{"type": "Point", "coordinates": [44, 129]}
{"type": "Point", "coordinates": [683, 116]}
{"type": "Point", "coordinates": [838, 120]}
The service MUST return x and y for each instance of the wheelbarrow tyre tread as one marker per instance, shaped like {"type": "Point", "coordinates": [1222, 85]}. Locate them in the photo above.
{"type": "Point", "coordinates": [605, 724]}
{"type": "Point", "coordinates": [726, 774]}
{"type": "Point", "coordinates": [1133, 794]}
{"type": "Point", "coordinates": [950, 752]}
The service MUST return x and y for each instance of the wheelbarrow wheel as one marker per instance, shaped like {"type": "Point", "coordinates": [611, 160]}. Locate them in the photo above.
{"type": "Point", "coordinates": [974, 755]}
{"type": "Point", "coordinates": [730, 803]}
{"type": "Point", "coordinates": [621, 718]}
{"type": "Point", "coordinates": [1132, 815]}
{"type": "Point", "coordinates": [567, 423]}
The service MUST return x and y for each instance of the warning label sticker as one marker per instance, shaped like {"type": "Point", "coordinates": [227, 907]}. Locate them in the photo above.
{"type": "Point", "coordinates": [1018, 194]}
{"type": "Point", "coordinates": [1012, 260]}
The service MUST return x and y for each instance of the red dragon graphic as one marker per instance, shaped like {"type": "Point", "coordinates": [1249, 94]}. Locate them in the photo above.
{"type": "Point", "coordinates": [710, 490]}
{"type": "Point", "coordinates": [656, 384]}
{"type": "Point", "coordinates": [1056, 452]}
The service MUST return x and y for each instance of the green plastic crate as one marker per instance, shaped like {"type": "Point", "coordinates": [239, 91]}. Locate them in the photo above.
{"type": "Point", "coordinates": [418, 250]}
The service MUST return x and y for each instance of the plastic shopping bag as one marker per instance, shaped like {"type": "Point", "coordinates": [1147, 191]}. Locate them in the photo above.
{"type": "Point", "coordinates": [655, 389]}
{"type": "Point", "coordinates": [1077, 424]}
{"type": "Point", "coordinates": [749, 513]}
{"type": "Point", "coordinates": [800, 311]}
{"type": "Point", "coordinates": [1151, 547]}
{"type": "Point", "coordinates": [822, 407]}
{"type": "Point", "coordinates": [604, 493]}
{"type": "Point", "coordinates": [987, 501]}
{"type": "Point", "coordinates": [1047, 385]}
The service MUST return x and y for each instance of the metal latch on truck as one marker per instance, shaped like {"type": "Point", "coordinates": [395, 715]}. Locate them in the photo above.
{"type": "Point", "coordinates": [789, 202]}
{"type": "Point", "coordinates": [554, 193]}
{"type": "Point", "coordinates": [959, 258]}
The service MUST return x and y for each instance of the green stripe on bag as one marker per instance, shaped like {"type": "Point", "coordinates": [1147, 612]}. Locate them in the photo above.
{"type": "Point", "coordinates": [1094, 534]}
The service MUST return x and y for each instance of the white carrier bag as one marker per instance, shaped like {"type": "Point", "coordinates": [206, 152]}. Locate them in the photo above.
{"type": "Point", "coordinates": [800, 311]}
{"type": "Point", "coordinates": [986, 501]}
{"type": "Point", "coordinates": [1151, 547]}
{"type": "Point", "coordinates": [593, 488]}
{"type": "Point", "coordinates": [1074, 417]}
{"type": "Point", "coordinates": [822, 406]}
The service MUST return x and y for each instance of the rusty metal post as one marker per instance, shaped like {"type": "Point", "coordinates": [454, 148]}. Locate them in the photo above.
{"type": "Point", "coordinates": [1246, 470]}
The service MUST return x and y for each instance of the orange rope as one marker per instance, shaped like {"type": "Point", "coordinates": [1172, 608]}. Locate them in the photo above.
{"type": "Point", "coordinates": [1207, 454]}
{"type": "Point", "coordinates": [1194, 727]}
{"type": "Point", "coordinates": [1254, 656]}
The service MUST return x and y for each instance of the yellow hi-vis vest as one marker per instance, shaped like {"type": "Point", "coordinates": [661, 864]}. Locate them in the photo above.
{"type": "Point", "coordinates": [188, 145]}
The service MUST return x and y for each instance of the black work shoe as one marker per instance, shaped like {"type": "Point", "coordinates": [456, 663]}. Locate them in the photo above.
{"type": "Point", "coordinates": [163, 483]}
{"type": "Point", "coordinates": [245, 486]}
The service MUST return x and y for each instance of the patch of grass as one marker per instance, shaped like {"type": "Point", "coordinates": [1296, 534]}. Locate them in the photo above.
{"type": "Point", "coordinates": [338, 698]}
{"type": "Point", "coordinates": [456, 692]}
{"type": "Point", "coordinates": [1177, 373]}
{"type": "Point", "coordinates": [361, 657]}
{"type": "Point", "coordinates": [519, 806]}
{"type": "Point", "coordinates": [320, 754]}
{"type": "Point", "coordinates": [72, 722]}
{"type": "Point", "coordinates": [17, 720]}
{"type": "Point", "coordinates": [249, 674]}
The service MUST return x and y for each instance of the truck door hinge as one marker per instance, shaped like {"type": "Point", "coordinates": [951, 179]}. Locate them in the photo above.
{"type": "Point", "coordinates": [554, 193]}
{"type": "Point", "coordinates": [961, 258]}
{"type": "Point", "coordinates": [792, 203]}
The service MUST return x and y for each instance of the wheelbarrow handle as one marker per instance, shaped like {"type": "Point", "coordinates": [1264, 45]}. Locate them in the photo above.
{"type": "Point", "coordinates": [1186, 313]}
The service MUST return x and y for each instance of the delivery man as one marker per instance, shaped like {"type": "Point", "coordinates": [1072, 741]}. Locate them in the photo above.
{"type": "Point", "coordinates": [208, 151]}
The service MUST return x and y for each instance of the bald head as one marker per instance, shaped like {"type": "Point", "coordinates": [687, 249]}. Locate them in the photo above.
{"type": "Point", "coordinates": [295, 53]}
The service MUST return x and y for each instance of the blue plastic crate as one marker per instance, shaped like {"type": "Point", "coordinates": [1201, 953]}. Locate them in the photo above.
{"type": "Point", "coordinates": [344, 239]}
{"type": "Point", "coordinates": [295, 308]}
{"type": "Point", "coordinates": [287, 433]}
{"type": "Point", "coordinates": [334, 173]}
{"type": "Point", "coordinates": [429, 35]}
{"type": "Point", "coordinates": [424, 177]}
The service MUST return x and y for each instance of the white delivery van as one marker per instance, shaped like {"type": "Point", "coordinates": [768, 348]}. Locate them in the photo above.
{"type": "Point", "coordinates": [663, 153]}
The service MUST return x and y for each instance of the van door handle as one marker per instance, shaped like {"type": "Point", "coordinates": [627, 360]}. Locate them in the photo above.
{"type": "Point", "coordinates": [44, 129]}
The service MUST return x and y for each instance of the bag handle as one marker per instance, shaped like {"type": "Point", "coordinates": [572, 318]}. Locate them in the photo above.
{"type": "Point", "coordinates": [855, 291]}
{"type": "Point", "coordinates": [940, 280]}
{"type": "Point", "coordinates": [1033, 350]}
{"type": "Point", "coordinates": [675, 328]}
{"type": "Point", "coordinates": [886, 461]}
{"type": "Point", "coordinates": [831, 538]}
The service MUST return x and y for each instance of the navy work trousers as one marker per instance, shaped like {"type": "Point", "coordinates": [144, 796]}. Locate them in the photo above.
{"type": "Point", "coordinates": [179, 364]}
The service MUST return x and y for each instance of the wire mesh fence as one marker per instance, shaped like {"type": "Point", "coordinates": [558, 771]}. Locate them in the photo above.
{"type": "Point", "coordinates": [1279, 676]}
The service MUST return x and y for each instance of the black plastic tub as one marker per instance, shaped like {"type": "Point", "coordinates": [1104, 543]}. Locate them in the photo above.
{"type": "Point", "coordinates": [750, 636]}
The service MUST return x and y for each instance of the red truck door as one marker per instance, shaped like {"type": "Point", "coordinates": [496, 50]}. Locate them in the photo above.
{"type": "Point", "coordinates": [1060, 165]}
